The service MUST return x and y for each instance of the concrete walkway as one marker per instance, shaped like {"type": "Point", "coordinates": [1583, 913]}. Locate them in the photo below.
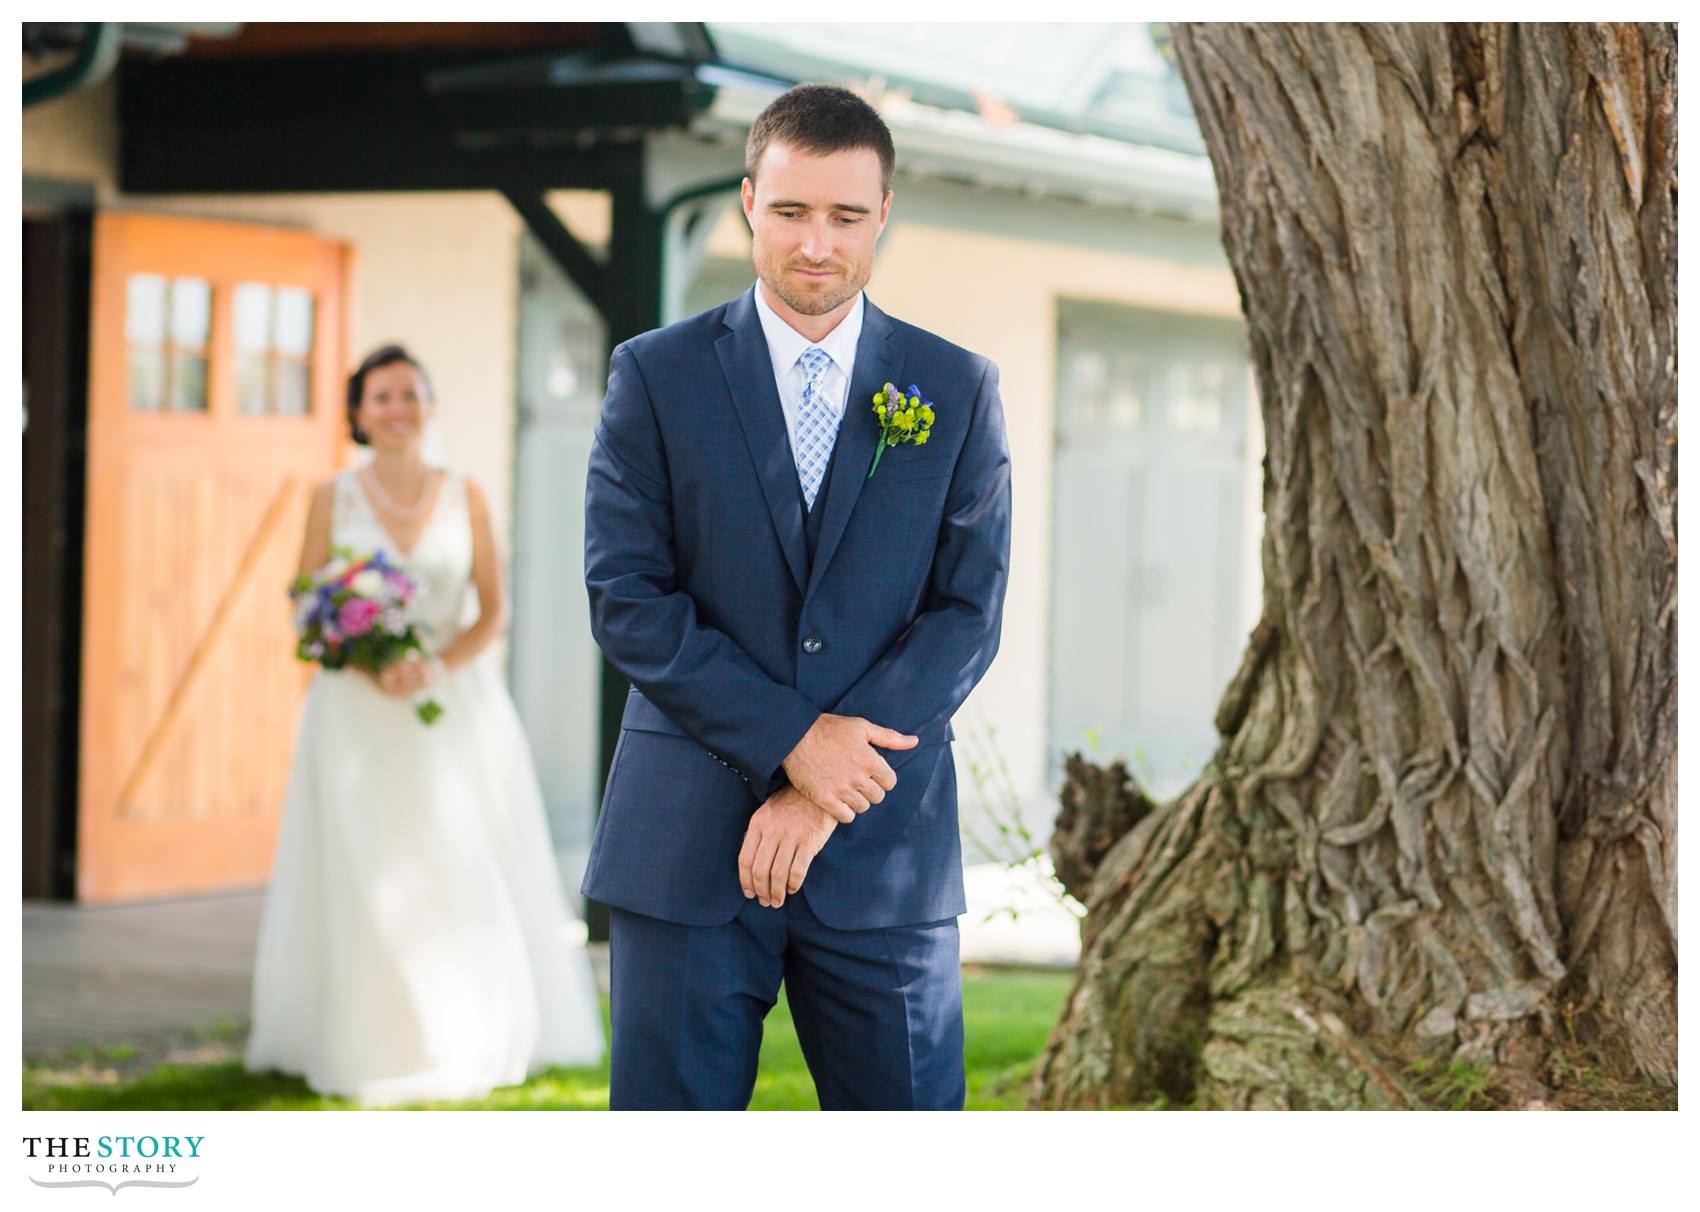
{"type": "Point", "coordinates": [159, 970]}
{"type": "Point", "coordinates": [135, 972]}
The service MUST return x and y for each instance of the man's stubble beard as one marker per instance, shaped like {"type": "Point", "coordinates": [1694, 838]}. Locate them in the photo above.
{"type": "Point", "coordinates": [815, 305]}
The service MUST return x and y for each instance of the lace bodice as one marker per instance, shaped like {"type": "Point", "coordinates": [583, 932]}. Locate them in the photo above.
{"type": "Point", "coordinates": [440, 562]}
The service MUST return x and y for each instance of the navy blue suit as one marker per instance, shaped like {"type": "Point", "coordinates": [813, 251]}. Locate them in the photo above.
{"type": "Point", "coordinates": [739, 616]}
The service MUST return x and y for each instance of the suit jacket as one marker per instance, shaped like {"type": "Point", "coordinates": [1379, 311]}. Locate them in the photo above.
{"type": "Point", "coordinates": [703, 593]}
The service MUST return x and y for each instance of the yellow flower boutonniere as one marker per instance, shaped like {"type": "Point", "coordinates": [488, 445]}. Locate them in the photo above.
{"type": "Point", "coordinates": [902, 418]}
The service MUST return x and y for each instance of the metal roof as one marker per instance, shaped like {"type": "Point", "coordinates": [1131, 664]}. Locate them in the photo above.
{"type": "Point", "coordinates": [1115, 79]}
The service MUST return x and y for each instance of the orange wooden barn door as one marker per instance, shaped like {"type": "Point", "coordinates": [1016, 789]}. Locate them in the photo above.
{"type": "Point", "coordinates": [214, 407]}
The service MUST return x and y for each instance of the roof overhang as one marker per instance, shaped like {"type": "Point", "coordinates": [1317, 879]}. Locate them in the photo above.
{"type": "Point", "coordinates": [417, 117]}
{"type": "Point", "coordinates": [1021, 157]}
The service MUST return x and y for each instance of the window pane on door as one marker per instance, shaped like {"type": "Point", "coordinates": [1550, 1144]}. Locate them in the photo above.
{"type": "Point", "coordinates": [293, 322]}
{"type": "Point", "coordinates": [290, 388]}
{"type": "Point", "coordinates": [147, 379]}
{"type": "Point", "coordinates": [144, 310]}
{"type": "Point", "coordinates": [251, 315]}
{"type": "Point", "coordinates": [274, 347]}
{"type": "Point", "coordinates": [167, 323]}
{"type": "Point", "coordinates": [251, 310]}
{"type": "Point", "coordinates": [191, 312]}
{"type": "Point", "coordinates": [188, 383]}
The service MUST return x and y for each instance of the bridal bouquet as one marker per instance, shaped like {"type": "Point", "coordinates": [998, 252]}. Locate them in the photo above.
{"type": "Point", "coordinates": [354, 612]}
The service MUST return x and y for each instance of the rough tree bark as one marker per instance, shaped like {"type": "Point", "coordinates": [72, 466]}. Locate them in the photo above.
{"type": "Point", "coordinates": [1441, 820]}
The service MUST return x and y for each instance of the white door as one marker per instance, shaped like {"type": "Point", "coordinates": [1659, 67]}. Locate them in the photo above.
{"type": "Point", "coordinates": [1152, 548]}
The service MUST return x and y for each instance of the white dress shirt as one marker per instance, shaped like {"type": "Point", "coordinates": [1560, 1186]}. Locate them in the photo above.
{"type": "Point", "coordinates": [785, 345]}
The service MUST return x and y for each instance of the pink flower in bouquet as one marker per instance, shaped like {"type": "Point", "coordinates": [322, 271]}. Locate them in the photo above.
{"type": "Point", "coordinates": [355, 617]}
{"type": "Point", "coordinates": [401, 585]}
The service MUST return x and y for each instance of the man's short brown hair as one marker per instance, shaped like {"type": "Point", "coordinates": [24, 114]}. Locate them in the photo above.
{"type": "Point", "coordinates": [821, 119]}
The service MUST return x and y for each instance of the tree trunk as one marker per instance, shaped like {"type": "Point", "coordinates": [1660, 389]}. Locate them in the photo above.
{"type": "Point", "coordinates": [1441, 821]}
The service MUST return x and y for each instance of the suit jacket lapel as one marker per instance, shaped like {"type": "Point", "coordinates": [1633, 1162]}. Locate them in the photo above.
{"type": "Point", "coordinates": [879, 357]}
{"type": "Point", "coordinates": [749, 373]}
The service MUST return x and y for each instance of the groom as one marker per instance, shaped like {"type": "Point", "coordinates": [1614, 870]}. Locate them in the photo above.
{"type": "Point", "coordinates": [782, 801]}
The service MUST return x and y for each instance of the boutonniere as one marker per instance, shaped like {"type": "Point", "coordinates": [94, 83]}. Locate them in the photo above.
{"type": "Point", "coordinates": [903, 418]}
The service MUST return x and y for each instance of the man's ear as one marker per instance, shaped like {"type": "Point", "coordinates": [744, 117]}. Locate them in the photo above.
{"type": "Point", "coordinates": [747, 196]}
{"type": "Point", "coordinates": [885, 209]}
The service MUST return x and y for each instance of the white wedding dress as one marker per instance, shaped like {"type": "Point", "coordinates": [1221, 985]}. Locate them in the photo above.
{"type": "Point", "coordinates": [415, 943]}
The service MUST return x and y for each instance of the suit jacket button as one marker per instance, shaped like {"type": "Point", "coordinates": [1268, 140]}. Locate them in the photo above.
{"type": "Point", "coordinates": [811, 644]}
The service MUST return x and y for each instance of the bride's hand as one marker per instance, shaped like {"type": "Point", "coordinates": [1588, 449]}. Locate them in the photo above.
{"type": "Point", "coordinates": [390, 679]}
{"type": "Point", "coordinates": [400, 679]}
{"type": "Point", "coordinates": [409, 676]}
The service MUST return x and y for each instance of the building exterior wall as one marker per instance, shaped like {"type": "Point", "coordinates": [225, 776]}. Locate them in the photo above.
{"type": "Point", "coordinates": [74, 138]}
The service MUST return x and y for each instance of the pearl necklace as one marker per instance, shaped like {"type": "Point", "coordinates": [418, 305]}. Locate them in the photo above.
{"type": "Point", "coordinates": [411, 513]}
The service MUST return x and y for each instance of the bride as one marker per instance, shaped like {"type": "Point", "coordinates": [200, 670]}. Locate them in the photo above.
{"type": "Point", "coordinates": [415, 944]}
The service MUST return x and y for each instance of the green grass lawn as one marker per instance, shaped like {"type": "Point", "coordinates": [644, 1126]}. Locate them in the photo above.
{"type": "Point", "coordinates": [1007, 1014]}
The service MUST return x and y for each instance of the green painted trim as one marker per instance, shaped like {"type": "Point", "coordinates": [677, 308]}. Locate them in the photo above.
{"type": "Point", "coordinates": [94, 62]}
{"type": "Point", "coordinates": [54, 194]}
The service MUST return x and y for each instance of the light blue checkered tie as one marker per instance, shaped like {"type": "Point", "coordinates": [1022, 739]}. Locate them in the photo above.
{"type": "Point", "coordinates": [817, 424]}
